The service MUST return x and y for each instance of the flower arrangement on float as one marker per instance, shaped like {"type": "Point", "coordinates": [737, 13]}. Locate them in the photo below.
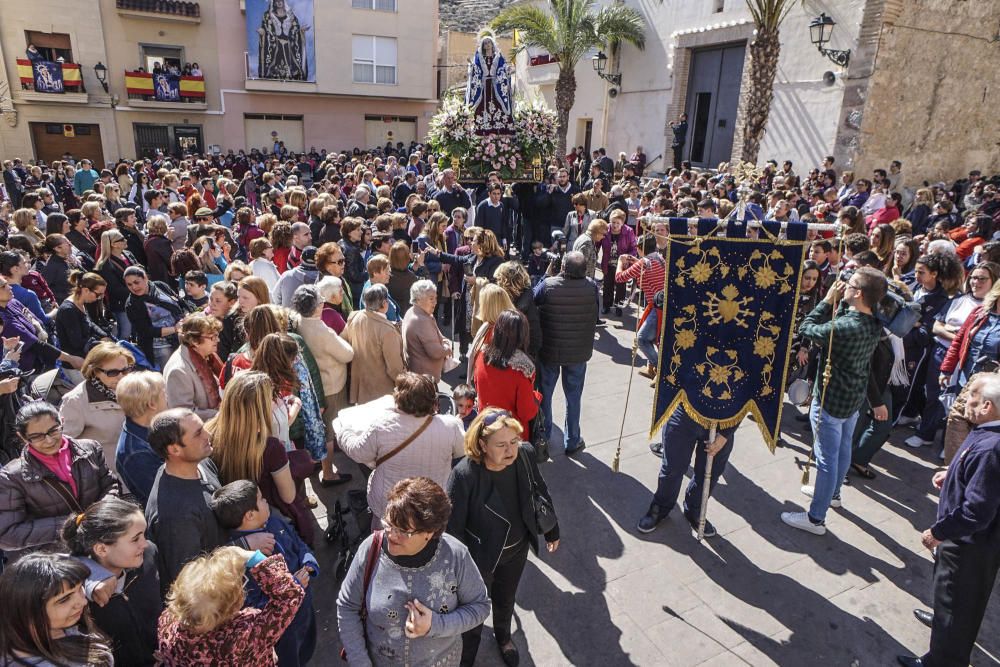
{"type": "Point", "coordinates": [515, 156]}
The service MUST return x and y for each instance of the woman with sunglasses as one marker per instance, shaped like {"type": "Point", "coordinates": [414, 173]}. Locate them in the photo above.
{"type": "Point", "coordinates": [74, 326]}
{"type": "Point", "coordinates": [192, 372]}
{"type": "Point", "coordinates": [90, 410]}
{"type": "Point", "coordinates": [55, 476]}
{"type": "Point", "coordinates": [493, 514]}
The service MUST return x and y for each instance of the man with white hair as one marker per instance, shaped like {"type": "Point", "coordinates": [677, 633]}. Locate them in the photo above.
{"type": "Point", "coordinates": [966, 534]}
{"type": "Point", "coordinates": [358, 208]}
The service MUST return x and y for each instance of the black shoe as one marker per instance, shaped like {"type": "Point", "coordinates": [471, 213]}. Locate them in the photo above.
{"type": "Point", "coordinates": [342, 478]}
{"type": "Point", "coordinates": [656, 448]}
{"type": "Point", "coordinates": [510, 656]}
{"type": "Point", "coordinates": [605, 311]}
{"type": "Point", "coordinates": [602, 323]}
{"type": "Point", "coordinates": [907, 661]}
{"type": "Point", "coordinates": [710, 530]}
{"type": "Point", "coordinates": [618, 311]}
{"type": "Point", "coordinates": [924, 616]}
{"type": "Point", "coordinates": [580, 446]}
{"type": "Point", "coordinates": [804, 417]}
{"type": "Point", "coordinates": [653, 517]}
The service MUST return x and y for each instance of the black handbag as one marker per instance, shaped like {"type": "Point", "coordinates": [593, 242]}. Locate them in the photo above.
{"type": "Point", "coordinates": [545, 513]}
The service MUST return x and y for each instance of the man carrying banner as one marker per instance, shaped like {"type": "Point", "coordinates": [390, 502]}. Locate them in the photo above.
{"type": "Point", "coordinates": [849, 339]}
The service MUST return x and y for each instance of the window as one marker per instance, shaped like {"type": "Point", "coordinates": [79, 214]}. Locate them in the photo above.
{"type": "Point", "coordinates": [374, 59]}
{"type": "Point", "coordinates": [164, 56]}
{"type": "Point", "coordinates": [52, 45]}
{"type": "Point", "coordinates": [380, 5]}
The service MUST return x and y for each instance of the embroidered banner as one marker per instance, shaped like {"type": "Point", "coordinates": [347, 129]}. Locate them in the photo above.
{"type": "Point", "coordinates": [729, 309]}
{"type": "Point", "coordinates": [71, 75]}
{"type": "Point", "coordinates": [167, 87]}
{"type": "Point", "coordinates": [281, 41]}
{"type": "Point", "coordinates": [48, 76]}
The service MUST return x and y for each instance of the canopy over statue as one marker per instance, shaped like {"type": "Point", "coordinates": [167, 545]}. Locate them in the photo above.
{"type": "Point", "coordinates": [489, 91]}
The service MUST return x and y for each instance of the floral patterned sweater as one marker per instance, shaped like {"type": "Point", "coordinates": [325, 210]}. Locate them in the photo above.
{"type": "Point", "coordinates": [249, 637]}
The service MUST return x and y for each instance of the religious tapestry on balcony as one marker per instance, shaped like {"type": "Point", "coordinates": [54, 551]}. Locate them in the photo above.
{"type": "Point", "coordinates": [728, 314]}
{"type": "Point", "coordinates": [48, 76]}
{"type": "Point", "coordinates": [167, 87]}
{"type": "Point", "coordinates": [280, 40]}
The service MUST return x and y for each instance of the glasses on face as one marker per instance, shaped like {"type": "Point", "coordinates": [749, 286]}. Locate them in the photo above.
{"type": "Point", "coordinates": [978, 279]}
{"type": "Point", "coordinates": [100, 295]}
{"type": "Point", "coordinates": [389, 529]}
{"type": "Point", "coordinates": [338, 262]}
{"type": "Point", "coordinates": [38, 438]}
{"type": "Point", "coordinates": [210, 337]}
{"type": "Point", "coordinates": [115, 372]}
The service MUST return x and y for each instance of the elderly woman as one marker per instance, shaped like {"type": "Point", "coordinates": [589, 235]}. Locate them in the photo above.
{"type": "Point", "coordinates": [493, 513]}
{"type": "Point", "coordinates": [424, 346]}
{"type": "Point", "coordinates": [332, 355]}
{"type": "Point", "coordinates": [400, 436]}
{"type": "Point", "coordinates": [158, 248]}
{"type": "Point", "coordinates": [54, 477]}
{"type": "Point", "coordinates": [378, 348]}
{"type": "Point", "coordinates": [420, 578]}
{"type": "Point", "coordinates": [620, 240]}
{"type": "Point", "coordinates": [192, 372]}
{"type": "Point", "coordinates": [331, 291]}
{"type": "Point", "coordinates": [90, 410]}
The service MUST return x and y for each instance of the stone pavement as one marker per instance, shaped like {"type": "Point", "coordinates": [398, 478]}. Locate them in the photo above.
{"type": "Point", "coordinates": [761, 593]}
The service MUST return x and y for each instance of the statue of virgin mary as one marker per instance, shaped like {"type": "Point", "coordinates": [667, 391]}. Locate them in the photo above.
{"type": "Point", "coordinates": [281, 51]}
{"type": "Point", "coordinates": [489, 91]}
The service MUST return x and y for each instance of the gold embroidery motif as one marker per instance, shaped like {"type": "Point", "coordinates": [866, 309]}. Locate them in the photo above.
{"type": "Point", "coordinates": [765, 275]}
{"type": "Point", "coordinates": [703, 267]}
{"type": "Point", "coordinates": [729, 308]}
{"type": "Point", "coordinates": [722, 376]}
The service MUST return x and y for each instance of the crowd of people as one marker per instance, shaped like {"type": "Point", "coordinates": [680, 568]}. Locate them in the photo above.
{"type": "Point", "coordinates": [188, 340]}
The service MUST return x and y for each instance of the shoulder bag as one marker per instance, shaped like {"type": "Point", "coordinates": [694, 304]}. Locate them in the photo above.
{"type": "Point", "coordinates": [406, 443]}
{"type": "Point", "coordinates": [545, 513]}
{"type": "Point", "coordinates": [373, 553]}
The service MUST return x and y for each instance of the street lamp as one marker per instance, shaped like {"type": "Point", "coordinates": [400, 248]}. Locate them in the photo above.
{"type": "Point", "coordinates": [101, 72]}
{"type": "Point", "coordinates": [600, 61]}
{"type": "Point", "coordinates": [820, 31]}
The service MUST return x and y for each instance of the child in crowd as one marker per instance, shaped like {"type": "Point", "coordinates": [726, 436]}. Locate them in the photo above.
{"type": "Point", "coordinates": [241, 509]}
{"type": "Point", "coordinates": [465, 403]}
{"type": "Point", "coordinates": [195, 291]}
{"type": "Point", "coordinates": [538, 262]}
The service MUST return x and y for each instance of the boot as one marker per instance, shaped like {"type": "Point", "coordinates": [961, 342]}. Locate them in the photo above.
{"type": "Point", "coordinates": [541, 452]}
{"type": "Point", "coordinates": [648, 372]}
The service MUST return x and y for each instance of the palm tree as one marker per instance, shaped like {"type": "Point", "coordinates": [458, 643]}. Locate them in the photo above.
{"type": "Point", "coordinates": [764, 51]}
{"type": "Point", "coordinates": [568, 30]}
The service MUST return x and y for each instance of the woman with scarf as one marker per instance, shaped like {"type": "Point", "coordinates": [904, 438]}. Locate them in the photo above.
{"type": "Point", "coordinates": [192, 372]}
{"type": "Point", "coordinates": [90, 410]}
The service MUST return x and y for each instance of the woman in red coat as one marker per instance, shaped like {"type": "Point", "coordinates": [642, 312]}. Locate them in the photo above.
{"type": "Point", "coordinates": [504, 373]}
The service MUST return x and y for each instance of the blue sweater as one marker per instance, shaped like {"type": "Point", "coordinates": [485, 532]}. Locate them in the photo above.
{"type": "Point", "coordinates": [969, 505]}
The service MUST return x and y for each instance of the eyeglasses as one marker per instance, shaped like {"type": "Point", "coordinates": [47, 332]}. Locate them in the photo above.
{"type": "Point", "coordinates": [38, 438]}
{"type": "Point", "coordinates": [338, 262]}
{"type": "Point", "coordinates": [115, 372]}
{"type": "Point", "coordinates": [389, 528]}
{"type": "Point", "coordinates": [979, 278]}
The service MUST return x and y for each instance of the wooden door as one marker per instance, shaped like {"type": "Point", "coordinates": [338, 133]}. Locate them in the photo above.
{"type": "Point", "coordinates": [81, 140]}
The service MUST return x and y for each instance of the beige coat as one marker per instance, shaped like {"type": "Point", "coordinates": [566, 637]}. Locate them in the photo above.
{"type": "Point", "coordinates": [331, 352]}
{"type": "Point", "coordinates": [184, 388]}
{"type": "Point", "coordinates": [424, 347]}
{"type": "Point", "coordinates": [88, 415]}
{"type": "Point", "coordinates": [378, 355]}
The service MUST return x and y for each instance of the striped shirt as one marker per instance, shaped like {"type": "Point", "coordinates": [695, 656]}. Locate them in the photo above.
{"type": "Point", "coordinates": [650, 271]}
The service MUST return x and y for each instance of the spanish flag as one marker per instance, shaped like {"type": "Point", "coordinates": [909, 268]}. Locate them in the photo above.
{"type": "Point", "coordinates": [139, 83]}
{"type": "Point", "coordinates": [72, 75]}
{"type": "Point", "coordinates": [193, 86]}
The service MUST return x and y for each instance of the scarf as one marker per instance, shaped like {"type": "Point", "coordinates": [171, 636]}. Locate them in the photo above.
{"type": "Point", "coordinates": [899, 376]}
{"type": "Point", "coordinates": [60, 463]}
{"type": "Point", "coordinates": [103, 390]}
{"type": "Point", "coordinates": [208, 372]}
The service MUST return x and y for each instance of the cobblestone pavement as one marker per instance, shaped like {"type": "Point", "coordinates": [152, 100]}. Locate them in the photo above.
{"type": "Point", "coordinates": [760, 593]}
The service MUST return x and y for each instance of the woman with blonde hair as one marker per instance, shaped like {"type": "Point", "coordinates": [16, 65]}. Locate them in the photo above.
{"type": "Point", "coordinates": [236, 271]}
{"type": "Point", "coordinates": [26, 222]}
{"type": "Point", "coordinates": [514, 280]}
{"type": "Point", "coordinates": [245, 447]}
{"type": "Point", "coordinates": [111, 265]}
{"type": "Point", "coordinates": [205, 621]}
{"type": "Point", "coordinates": [491, 301]}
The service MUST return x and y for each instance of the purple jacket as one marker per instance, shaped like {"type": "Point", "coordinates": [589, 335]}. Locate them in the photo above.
{"type": "Point", "coordinates": [17, 322]}
{"type": "Point", "coordinates": [626, 245]}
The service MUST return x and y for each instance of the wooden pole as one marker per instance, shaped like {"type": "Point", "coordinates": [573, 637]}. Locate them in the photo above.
{"type": "Point", "coordinates": [706, 487]}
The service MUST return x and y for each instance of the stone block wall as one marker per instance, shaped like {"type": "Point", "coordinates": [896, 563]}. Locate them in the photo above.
{"type": "Point", "coordinates": [469, 15]}
{"type": "Point", "coordinates": [932, 97]}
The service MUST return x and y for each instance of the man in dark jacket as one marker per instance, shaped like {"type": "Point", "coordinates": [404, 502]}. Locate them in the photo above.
{"type": "Point", "coordinates": [966, 534]}
{"type": "Point", "coordinates": [451, 195]}
{"type": "Point", "coordinates": [567, 304]}
{"type": "Point", "coordinates": [404, 189]}
{"type": "Point", "coordinates": [491, 214]}
{"type": "Point", "coordinates": [560, 200]}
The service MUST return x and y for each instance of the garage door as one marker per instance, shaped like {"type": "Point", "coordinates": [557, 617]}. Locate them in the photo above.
{"type": "Point", "coordinates": [380, 129]}
{"type": "Point", "coordinates": [52, 140]}
{"type": "Point", "coordinates": [258, 129]}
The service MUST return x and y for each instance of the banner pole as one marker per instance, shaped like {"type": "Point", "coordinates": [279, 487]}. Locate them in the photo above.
{"type": "Point", "coordinates": [706, 487]}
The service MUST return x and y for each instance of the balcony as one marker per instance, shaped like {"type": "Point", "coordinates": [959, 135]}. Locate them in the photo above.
{"type": "Point", "coordinates": [52, 82]}
{"type": "Point", "coordinates": [160, 10]}
{"type": "Point", "coordinates": [165, 91]}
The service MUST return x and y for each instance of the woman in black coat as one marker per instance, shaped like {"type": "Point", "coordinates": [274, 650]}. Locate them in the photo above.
{"type": "Point", "coordinates": [111, 266]}
{"type": "Point", "coordinates": [493, 514]}
{"type": "Point", "coordinates": [354, 263]}
{"type": "Point", "coordinates": [158, 249]}
{"type": "Point", "coordinates": [56, 268]}
{"type": "Point", "coordinates": [158, 339]}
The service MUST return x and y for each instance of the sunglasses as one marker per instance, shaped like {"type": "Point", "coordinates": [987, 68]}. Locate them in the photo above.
{"type": "Point", "coordinates": [115, 372]}
{"type": "Point", "coordinates": [489, 420]}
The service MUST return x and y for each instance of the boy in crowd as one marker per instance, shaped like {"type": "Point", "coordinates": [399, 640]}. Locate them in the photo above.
{"type": "Point", "coordinates": [241, 509]}
{"type": "Point", "coordinates": [195, 291]}
{"type": "Point", "coordinates": [465, 404]}
{"type": "Point", "coordinates": [538, 263]}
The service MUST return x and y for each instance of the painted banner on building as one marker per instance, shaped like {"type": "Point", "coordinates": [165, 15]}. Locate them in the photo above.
{"type": "Point", "coordinates": [47, 76]}
{"type": "Point", "coordinates": [728, 318]}
{"type": "Point", "coordinates": [167, 87]}
{"type": "Point", "coordinates": [281, 40]}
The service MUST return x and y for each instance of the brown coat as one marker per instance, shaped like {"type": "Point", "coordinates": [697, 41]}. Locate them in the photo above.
{"type": "Point", "coordinates": [424, 348]}
{"type": "Point", "coordinates": [89, 415]}
{"type": "Point", "coordinates": [32, 510]}
{"type": "Point", "coordinates": [378, 355]}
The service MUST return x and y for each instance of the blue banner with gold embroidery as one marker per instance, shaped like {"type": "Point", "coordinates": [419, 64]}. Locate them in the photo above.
{"type": "Point", "coordinates": [167, 87]}
{"type": "Point", "coordinates": [728, 314]}
{"type": "Point", "coordinates": [48, 76]}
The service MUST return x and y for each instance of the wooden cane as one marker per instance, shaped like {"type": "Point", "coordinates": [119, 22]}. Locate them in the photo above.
{"type": "Point", "coordinates": [706, 488]}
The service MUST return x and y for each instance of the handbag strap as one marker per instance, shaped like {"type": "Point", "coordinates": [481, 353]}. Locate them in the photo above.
{"type": "Point", "coordinates": [403, 445]}
{"type": "Point", "coordinates": [373, 554]}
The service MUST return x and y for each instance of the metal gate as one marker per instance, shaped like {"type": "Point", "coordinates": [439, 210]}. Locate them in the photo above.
{"type": "Point", "coordinates": [712, 100]}
{"type": "Point", "coordinates": [151, 138]}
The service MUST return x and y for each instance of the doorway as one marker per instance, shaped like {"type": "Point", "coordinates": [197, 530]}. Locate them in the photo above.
{"type": "Point", "coordinates": [81, 140]}
{"type": "Point", "coordinates": [712, 101]}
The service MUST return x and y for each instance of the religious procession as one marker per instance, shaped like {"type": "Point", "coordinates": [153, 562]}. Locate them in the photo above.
{"type": "Point", "coordinates": [350, 342]}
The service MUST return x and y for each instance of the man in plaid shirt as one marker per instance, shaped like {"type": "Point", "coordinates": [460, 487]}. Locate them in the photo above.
{"type": "Point", "coordinates": [650, 271]}
{"type": "Point", "coordinates": [834, 415]}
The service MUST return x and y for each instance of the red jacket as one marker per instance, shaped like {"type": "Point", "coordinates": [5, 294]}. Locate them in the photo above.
{"type": "Point", "coordinates": [959, 350]}
{"type": "Point", "coordinates": [511, 389]}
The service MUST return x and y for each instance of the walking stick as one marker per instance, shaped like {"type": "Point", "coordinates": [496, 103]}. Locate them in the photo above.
{"type": "Point", "coordinates": [615, 463]}
{"type": "Point", "coordinates": [706, 487]}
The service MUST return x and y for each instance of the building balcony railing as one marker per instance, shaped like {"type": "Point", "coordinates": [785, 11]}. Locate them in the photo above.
{"type": "Point", "coordinates": [50, 77]}
{"type": "Point", "coordinates": [169, 8]}
{"type": "Point", "coordinates": [542, 59]}
{"type": "Point", "coordinates": [165, 88]}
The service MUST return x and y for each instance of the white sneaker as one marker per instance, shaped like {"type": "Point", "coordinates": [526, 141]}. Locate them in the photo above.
{"type": "Point", "coordinates": [808, 491]}
{"type": "Point", "coordinates": [802, 521]}
{"type": "Point", "coordinates": [907, 421]}
{"type": "Point", "coordinates": [917, 442]}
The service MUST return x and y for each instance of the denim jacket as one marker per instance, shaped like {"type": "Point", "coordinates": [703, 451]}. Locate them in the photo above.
{"type": "Point", "coordinates": [137, 463]}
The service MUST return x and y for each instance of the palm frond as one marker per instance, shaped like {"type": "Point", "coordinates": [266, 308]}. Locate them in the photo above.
{"type": "Point", "coordinates": [768, 14]}
{"type": "Point", "coordinates": [618, 23]}
{"type": "Point", "coordinates": [534, 25]}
